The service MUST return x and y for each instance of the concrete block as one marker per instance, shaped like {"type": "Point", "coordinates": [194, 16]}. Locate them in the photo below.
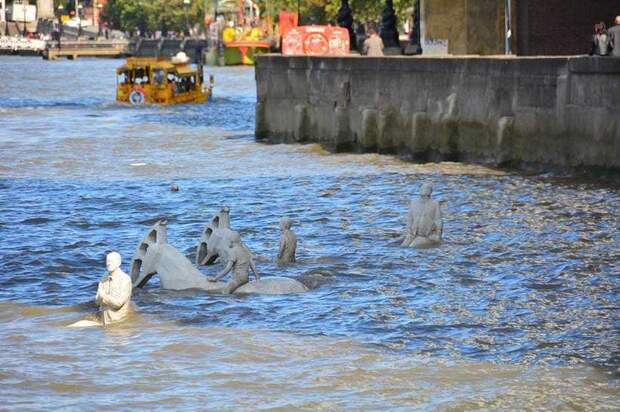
{"type": "Point", "coordinates": [505, 142]}
{"type": "Point", "coordinates": [370, 129]}
{"type": "Point", "coordinates": [302, 123]}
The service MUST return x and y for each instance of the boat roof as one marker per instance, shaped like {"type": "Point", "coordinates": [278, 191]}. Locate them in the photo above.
{"type": "Point", "coordinates": [156, 63]}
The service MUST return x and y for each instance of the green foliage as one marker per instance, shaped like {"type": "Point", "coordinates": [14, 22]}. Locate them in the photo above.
{"type": "Point", "coordinates": [325, 11]}
{"type": "Point", "coordinates": [152, 15]}
{"type": "Point", "coordinates": [129, 15]}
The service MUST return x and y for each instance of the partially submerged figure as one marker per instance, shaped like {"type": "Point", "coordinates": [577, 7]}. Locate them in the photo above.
{"type": "Point", "coordinates": [424, 224]}
{"type": "Point", "coordinates": [114, 291]}
{"type": "Point", "coordinates": [288, 242]}
{"type": "Point", "coordinates": [240, 261]}
{"type": "Point", "coordinates": [113, 295]}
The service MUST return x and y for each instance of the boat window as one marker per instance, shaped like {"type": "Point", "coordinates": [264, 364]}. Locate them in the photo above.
{"type": "Point", "coordinates": [123, 78]}
{"type": "Point", "coordinates": [158, 76]}
{"type": "Point", "coordinates": [141, 75]}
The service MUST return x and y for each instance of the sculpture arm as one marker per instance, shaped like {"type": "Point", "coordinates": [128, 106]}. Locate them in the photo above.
{"type": "Point", "coordinates": [225, 271]}
{"type": "Point", "coordinates": [117, 302]}
{"type": "Point", "coordinates": [253, 267]}
{"type": "Point", "coordinates": [437, 230]}
{"type": "Point", "coordinates": [282, 246]}
{"type": "Point", "coordinates": [98, 298]}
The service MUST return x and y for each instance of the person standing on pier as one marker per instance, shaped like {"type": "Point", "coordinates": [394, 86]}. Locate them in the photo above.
{"type": "Point", "coordinates": [614, 33]}
{"type": "Point", "coordinates": [373, 45]}
{"type": "Point", "coordinates": [601, 40]}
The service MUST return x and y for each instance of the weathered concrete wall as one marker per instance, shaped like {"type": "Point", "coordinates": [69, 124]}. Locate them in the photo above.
{"type": "Point", "coordinates": [560, 111]}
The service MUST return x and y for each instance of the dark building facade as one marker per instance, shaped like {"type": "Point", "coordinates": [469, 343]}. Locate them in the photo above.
{"type": "Point", "coordinates": [560, 27]}
{"type": "Point", "coordinates": [539, 27]}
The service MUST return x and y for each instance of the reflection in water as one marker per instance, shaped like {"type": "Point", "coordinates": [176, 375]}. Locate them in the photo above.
{"type": "Point", "coordinates": [518, 309]}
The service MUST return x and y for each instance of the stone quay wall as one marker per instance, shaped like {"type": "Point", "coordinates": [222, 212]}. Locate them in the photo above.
{"type": "Point", "coordinates": [505, 111]}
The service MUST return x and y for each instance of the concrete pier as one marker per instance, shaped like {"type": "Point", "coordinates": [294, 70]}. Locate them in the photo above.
{"type": "Point", "coordinates": [561, 111]}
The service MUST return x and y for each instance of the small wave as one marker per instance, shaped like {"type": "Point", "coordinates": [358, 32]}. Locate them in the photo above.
{"type": "Point", "coordinates": [35, 221]}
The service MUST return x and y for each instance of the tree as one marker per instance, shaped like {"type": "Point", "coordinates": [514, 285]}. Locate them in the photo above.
{"type": "Point", "coordinates": [325, 11]}
{"type": "Point", "coordinates": [152, 15]}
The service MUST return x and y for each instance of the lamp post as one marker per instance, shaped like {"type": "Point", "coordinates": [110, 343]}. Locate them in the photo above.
{"type": "Point", "coordinates": [60, 10]}
{"type": "Point", "coordinates": [78, 14]}
{"type": "Point", "coordinates": [388, 31]}
{"type": "Point", "coordinates": [24, 10]}
{"type": "Point", "coordinates": [345, 20]}
{"type": "Point", "coordinates": [99, 10]}
{"type": "Point", "coordinates": [507, 26]}
{"type": "Point", "coordinates": [415, 46]}
{"type": "Point", "coordinates": [3, 15]}
{"type": "Point", "coordinates": [186, 4]}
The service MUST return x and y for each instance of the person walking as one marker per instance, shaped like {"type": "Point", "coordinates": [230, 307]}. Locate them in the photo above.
{"type": "Point", "coordinates": [373, 45]}
{"type": "Point", "coordinates": [614, 33]}
{"type": "Point", "coordinates": [601, 41]}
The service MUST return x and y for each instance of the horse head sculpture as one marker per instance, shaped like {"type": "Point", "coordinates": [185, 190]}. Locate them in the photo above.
{"type": "Point", "coordinates": [155, 256]}
{"type": "Point", "coordinates": [215, 239]}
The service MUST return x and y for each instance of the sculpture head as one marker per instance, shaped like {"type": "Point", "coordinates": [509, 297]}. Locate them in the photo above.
{"type": "Point", "coordinates": [285, 223]}
{"type": "Point", "coordinates": [112, 261]}
{"type": "Point", "coordinates": [426, 190]}
{"type": "Point", "coordinates": [235, 239]}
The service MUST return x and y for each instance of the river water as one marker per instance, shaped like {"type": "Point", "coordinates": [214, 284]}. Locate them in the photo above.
{"type": "Point", "coordinates": [518, 309]}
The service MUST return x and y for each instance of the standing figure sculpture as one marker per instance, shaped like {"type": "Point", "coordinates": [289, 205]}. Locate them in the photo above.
{"type": "Point", "coordinates": [288, 242]}
{"type": "Point", "coordinates": [240, 261]}
{"type": "Point", "coordinates": [114, 291]}
{"type": "Point", "coordinates": [424, 223]}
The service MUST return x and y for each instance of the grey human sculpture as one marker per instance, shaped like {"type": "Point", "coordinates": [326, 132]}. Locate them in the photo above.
{"type": "Point", "coordinates": [424, 222]}
{"type": "Point", "coordinates": [288, 242]}
{"type": "Point", "coordinates": [215, 239]}
{"type": "Point", "coordinates": [154, 255]}
{"type": "Point", "coordinates": [113, 295]}
{"type": "Point", "coordinates": [240, 261]}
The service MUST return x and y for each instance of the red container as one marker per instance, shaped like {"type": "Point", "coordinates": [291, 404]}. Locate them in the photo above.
{"type": "Point", "coordinates": [316, 41]}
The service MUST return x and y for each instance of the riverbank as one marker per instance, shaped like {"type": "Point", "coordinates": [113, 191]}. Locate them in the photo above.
{"type": "Point", "coordinates": [504, 111]}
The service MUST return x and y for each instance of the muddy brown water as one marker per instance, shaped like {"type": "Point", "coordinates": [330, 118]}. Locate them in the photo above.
{"type": "Point", "coordinates": [517, 310]}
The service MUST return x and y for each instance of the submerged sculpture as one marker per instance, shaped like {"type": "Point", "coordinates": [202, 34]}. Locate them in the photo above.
{"type": "Point", "coordinates": [288, 242]}
{"type": "Point", "coordinates": [155, 256]}
{"type": "Point", "coordinates": [424, 224]}
{"type": "Point", "coordinates": [240, 261]}
{"type": "Point", "coordinates": [113, 295]}
{"type": "Point", "coordinates": [114, 291]}
{"type": "Point", "coordinates": [215, 239]}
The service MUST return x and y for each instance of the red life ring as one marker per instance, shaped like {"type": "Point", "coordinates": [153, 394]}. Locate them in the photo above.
{"type": "Point", "coordinates": [316, 44]}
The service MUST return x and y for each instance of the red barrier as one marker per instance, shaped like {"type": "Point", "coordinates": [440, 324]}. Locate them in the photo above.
{"type": "Point", "coordinates": [316, 41]}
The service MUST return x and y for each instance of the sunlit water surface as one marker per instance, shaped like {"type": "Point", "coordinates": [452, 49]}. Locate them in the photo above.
{"type": "Point", "coordinates": [518, 309]}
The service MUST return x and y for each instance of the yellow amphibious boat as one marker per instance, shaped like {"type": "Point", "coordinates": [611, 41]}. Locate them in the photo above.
{"type": "Point", "coordinates": [144, 80]}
